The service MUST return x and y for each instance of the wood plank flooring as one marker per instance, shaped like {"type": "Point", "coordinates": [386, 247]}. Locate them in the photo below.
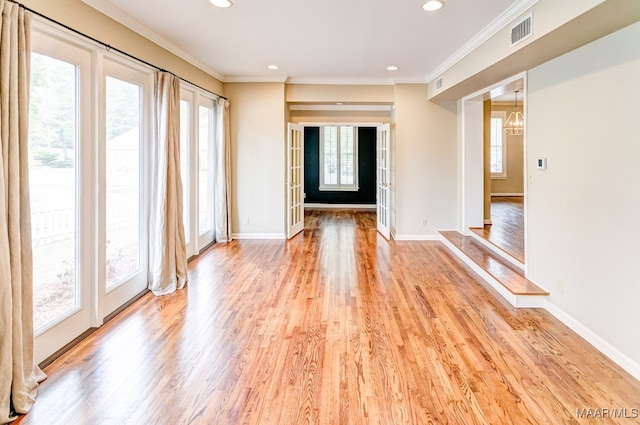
{"type": "Point", "coordinates": [337, 326]}
{"type": "Point", "coordinates": [507, 230]}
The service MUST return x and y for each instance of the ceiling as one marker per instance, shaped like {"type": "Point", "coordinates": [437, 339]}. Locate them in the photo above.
{"type": "Point", "coordinates": [330, 41]}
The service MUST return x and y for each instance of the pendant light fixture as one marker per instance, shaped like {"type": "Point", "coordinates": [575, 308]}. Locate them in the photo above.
{"type": "Point", "coordinates": [515, 122]}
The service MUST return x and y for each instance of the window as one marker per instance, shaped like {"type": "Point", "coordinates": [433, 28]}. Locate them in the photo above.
{"type": "Point", "coordinates": [123, 180]}
{"type": "Point", "coordinates": [205, 169]}
{"type": "Point", "coordinates": [197, 136]}
{"type": "Point", "coordinates": [338, 158]}
{"type": "Point", "coordinates": [185, 139]}
{"type": "Point", "coordinates": [90, 113]}
{"type": "Point", "coordinates": [498, 145]}
{"type": "Point", "coordinates": [53, 176]}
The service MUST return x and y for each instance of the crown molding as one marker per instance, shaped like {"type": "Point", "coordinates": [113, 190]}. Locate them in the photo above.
{"type": "Point", "coordinates": [270, 79]}
{"type": "Point", "coordinates": [323, 81]}
{"type": "Point", "coordinates": [335, 107]}
{"type": "Point", "coordinates": [342, 81]}
{"type": "Point", "coordinates": [506, 17]}
{"type": "Point", "coordinates": [122, 18]}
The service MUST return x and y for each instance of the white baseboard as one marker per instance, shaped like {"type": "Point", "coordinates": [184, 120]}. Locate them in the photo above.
{"type": "Point", "coordinates": [596, 340]}
{"type": "Point", "coordinates": [409, 237]}
{"type": "Point", "coordinates": [507, 194]}
{"type": "Point", "coordinates": [600, 344]}
{"type": "Point", "coordinates": [340, 206]}
{"type": "Point", "coordinates": [260, 236]}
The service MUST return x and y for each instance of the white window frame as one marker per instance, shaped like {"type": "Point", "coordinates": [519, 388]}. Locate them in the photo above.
{"type": "Point", "coordinates": [93, 63]}
{"type": "Point", "coordinates": [196, 98]}
{"type": "Point", "coordinates": [502, 115]}
{"type": "Point", "coordinates": [338, 186]}
{"type": "Point", "coordinates": [128, 71]}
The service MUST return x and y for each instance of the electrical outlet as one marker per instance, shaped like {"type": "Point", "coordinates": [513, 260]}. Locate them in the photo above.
{"type": "Point", "coordinates": [246, 221]}
{"type": "Point", "coordinates": [560, 285]}
{"type": "Point", "coordinates": [424, 222]}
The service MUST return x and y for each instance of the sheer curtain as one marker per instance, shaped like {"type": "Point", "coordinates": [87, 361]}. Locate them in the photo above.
{"type": "Point", "coordinates": [221, 190]}
{"type": "Point", "coordinates": [19, 375]}
{"type": "Point", "coordinates": [167, 251]}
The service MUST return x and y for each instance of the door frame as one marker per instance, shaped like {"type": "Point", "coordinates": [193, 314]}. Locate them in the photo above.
{"type": "Point", "coordinates": [305, 124]}
{"type": "Point", "coordinates": [94, 64]}
{"type": "Point", "coordinates": [471, 157]}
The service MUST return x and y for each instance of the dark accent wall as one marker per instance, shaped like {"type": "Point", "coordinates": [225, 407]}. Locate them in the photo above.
{"type": "Point", "coordinates": [366, 170]}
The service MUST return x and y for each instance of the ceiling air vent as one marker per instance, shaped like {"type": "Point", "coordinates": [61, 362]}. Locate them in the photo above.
{"type": "Point", "coordinates": [439, 83]}
{"type": "Point", "coordinates": [522, 30]}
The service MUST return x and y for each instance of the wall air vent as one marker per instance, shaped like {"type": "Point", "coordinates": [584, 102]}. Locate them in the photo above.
{"type": "Point", "coordinates": [439, 83]}
{"type": "Point", "coordinates": [522, 30]}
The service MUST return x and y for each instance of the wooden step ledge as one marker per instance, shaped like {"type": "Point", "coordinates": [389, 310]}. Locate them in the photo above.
{"type": "Point", "coordinates": [507, 274]}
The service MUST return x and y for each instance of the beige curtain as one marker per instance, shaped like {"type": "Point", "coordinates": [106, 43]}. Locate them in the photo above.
{"type": "Point", "coordinates": [167, 251]}
{"type": "Point", "coordinates": [221, 190]}
{"type": "Point", "coordinates": [19, 375]}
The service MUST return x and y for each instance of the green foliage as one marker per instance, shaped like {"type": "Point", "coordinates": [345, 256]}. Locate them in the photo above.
{"type": "Point", "coordinates": [123, 106]}
{"type": "Point", "coordinates": [52, 111]}
{"type": "Point", "coordinates": [45, 157]}
{"type": "Point", "coordinates": [63, 163]}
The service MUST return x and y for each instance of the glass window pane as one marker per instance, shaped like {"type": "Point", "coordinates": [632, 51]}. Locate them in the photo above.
{"type": "Point", "coordinates": [347, 155]}
{"type": "Point", "coordinates": [185, 119]}
{"type": "Point", "coordinates": [53, 130]}
{"type": "Point", "coordinates": [496, 145]}
{"type": "Point", "coordinates": [330, 149]}
{"type": "Point", "coordinates": [123, 106]}
{"type": "Point", "coordinates": [205, 169]}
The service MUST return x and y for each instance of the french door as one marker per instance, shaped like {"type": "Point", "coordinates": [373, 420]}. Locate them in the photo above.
{"type": "Point", "coordinates": [58, 172]}
{"type": "Point", "coordinates": [122, 182]}
{"type": "Point", "coordinates": [89, 117]}
{"type": "Point", "coordinates": [295, 179]}
{"type": "Point", "coordinates": [383, 180]}
{"type": "Point", "coordinates": [197, 130]}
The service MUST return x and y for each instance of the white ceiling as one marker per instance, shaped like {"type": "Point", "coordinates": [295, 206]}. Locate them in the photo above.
{"type": "Point", "coordinates": [330, 41]}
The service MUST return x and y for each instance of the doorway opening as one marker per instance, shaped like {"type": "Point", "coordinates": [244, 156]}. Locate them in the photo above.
{"type": "Point", "coordinates": [494, 170]}
{"type": "Point", "coordinates": [338, 165]}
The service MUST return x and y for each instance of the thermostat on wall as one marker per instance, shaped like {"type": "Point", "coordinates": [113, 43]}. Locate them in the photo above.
{"type": "Point", "coordinates": [542, 163]}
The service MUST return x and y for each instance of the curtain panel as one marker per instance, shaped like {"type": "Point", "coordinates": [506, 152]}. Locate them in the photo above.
{"type": "Point", "coordinates": [222, 183]}
{"type": "Point", "coordinates": [167, 250]}
{"type": "Point", "coordinates": [19, 375]}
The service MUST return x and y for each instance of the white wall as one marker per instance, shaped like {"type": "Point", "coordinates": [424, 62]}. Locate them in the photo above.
{"type": "Point", "coordinates": [471, 165]}
{"type": "Point", "coordinates": [258, 139]}
{"type": "Point", "coordinates": [425, 163]}
{"type": "Point", "coordinates": [583, 238]}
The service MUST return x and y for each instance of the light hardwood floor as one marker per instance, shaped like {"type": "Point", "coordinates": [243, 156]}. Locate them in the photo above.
{"type": "Point", "coordinates": [337, 326]}
{"type": "Point", "coordinates": [507, 230]}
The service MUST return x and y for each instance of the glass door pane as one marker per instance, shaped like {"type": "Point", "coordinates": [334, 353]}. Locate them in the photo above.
{"type": "Point", "coordinates": [185, 139]}
{"type": "Point", "coordinates": [123, 120]}
{"type": "Point", "coordinates": [205, 170]}
{"type": "Point", "coordinates": [53, 133]}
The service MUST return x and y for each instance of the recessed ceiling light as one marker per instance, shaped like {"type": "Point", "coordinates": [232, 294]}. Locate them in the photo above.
{"type": "Point", "coordinates": [392, 68]}
{"type": "Point", "coordinates": [433, 5]}
{"type": "Point", "coordinates": [274, 67]}
{"type": "Point", "coordinates": [221, 3]}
